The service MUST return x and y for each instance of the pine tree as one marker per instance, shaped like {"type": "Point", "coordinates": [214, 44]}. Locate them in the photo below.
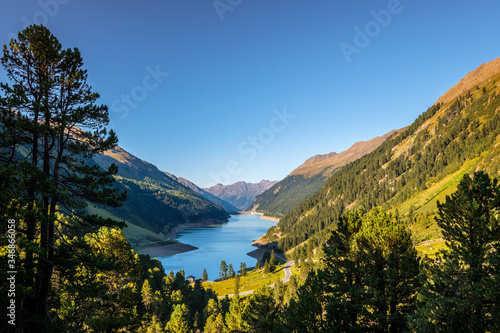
{"type": "Point", "coordinates": [98, 275]}
{"type": "Point", "coordinates": [49, 112]}
{"type": "Point", "coordinates": [243, 269]}
{"type": "Point", "coordinates": [215, 324]}
{"type": "Point", "coordinates": [272, 261]}
{"type": "Point", "coordinates": [267, 270]}
{"type": "Point", "coordinates": [345, 305]}
{"type": "Point", "coordinates": [151, 326]}
{"type": "Point", "coordinates": [215, 319]}
{"type": "Point", "coordinates": [306, 312]}
{"type": "Point", "coordinates": [223, 270]}
{"type": "Point", "coordinates": [205, 275]}
{"type": "Point", "coordinates": [463, 287]}
{"type": "Point", "coordinates": [390, 268]}
{"type": "Point", "coordinates": [146, 293]}
{"type": "Point", "coordinates": [261, 311]}
{"type": "Point", "coordinates": [234, 317]}
{"type": "Point", "coordinates": [178, 322]}
{"type": "Point", "coordinates": [237, 285]}
{"type": "Point", "coordinates": [372, 273]}
{"type": "Point", "coordinates": [230, 271]}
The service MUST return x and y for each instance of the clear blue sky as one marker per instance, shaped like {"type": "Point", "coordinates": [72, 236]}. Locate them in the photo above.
{"type": "Point", "coordinates": [233, 65]}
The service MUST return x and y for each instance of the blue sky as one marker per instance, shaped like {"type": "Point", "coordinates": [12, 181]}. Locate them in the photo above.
{"type": "Point", "coordinates": [229, 90]}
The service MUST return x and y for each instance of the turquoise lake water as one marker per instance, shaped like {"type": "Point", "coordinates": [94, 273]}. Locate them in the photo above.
{"type": "Point", "coordinates": [230, 241]}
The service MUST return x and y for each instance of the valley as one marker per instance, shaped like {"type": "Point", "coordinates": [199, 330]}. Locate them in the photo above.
{"type": "Point", "coordinates": [398, 232]}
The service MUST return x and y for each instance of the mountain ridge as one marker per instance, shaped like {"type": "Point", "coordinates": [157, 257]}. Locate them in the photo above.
{"type": "Point", "coordinates": [240, 194]}
{"type": "Point", "coordinates": [156, 200]}
{"type": "Point", "coordinates": [414, 169]}
{"type": "Point", "coordinates": [209, 196]}
{"type": "Point", "coordinates": [309, 177]}
{"type": "Point", "coordinates": [485, 72]}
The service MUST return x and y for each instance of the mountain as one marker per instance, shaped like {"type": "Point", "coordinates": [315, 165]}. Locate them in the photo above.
{"type": "Point", "coordinates": [413, 168]}
{"type": "Point", "coordinates": [209, 196]}
{"type": "Point", "coordinates": [309, 177]}
{"type": "Point", "coordinates": [156, 200]}
{"type": "Point", "coordinates": [240, 194]}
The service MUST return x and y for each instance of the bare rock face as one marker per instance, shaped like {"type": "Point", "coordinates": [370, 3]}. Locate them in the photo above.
{"type": "Point", "coordinates": [240, 194]}
{"type": "Point", "coordinates": [477, 77]}
{"type": "Point", "coordinates": [327, 163]}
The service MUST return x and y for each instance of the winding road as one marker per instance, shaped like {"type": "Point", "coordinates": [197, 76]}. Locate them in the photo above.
{"type": "Point", "coordinates": [288, 275]}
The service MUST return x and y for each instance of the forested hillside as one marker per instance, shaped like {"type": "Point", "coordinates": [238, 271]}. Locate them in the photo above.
{"type": "Point", "coordinates": [412, 170]}
{"type": "Point", "coordinates": [155, 199]}
{"type": "Point", "coordinates": [309, 178]}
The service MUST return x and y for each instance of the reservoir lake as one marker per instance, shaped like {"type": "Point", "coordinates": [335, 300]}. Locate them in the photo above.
{"type": "Point", "coordinates": [229, 241]}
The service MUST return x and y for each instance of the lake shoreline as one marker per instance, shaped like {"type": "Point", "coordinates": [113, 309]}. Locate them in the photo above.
{"type": "Point", "coordinates": [166, 250]}
{"type": "Point", "coordinates": [172, 234]}
{"type": "Point", "coordinates": [157, 251]}
{"type": "Point", "coordinates": [262, 216]}
{"type": "Point", "coordinates": [216, 242]}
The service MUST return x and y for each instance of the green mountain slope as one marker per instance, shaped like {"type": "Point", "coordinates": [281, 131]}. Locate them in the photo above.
{"type": "Point", "coordinates": [309, 178]}
{"type": "Point", "coordinates": [414, 169]}
{"type": "Point", "coordinates": [155, 199]}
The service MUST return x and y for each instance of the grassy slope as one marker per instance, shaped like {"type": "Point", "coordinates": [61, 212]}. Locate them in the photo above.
{"type": "Point", "coordinates": [155, 199]}
{"type": "Point", "coordinates": [252, 281]}
{"type": "Point", "coordinates": [138, 237]}
{"type": "Point", "coordinates": [421, 205]}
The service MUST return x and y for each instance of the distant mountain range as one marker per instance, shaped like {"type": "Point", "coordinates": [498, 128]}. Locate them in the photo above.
{"type": "Point", "coordinates": [240, 194]}
{"type": "Point", "coordinates": [209, 196]}
{"type": "Point", "coordinates": [412, 169]}
{"type": "Point", "coordinates": [309, 177]}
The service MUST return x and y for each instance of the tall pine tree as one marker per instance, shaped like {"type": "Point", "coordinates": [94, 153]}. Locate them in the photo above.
{"type": "Point", "coordinates": [51, 127]}
{"type": "Point", "coordinates": [462, 292]}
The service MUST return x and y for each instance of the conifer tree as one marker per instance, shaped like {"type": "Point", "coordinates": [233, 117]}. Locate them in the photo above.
{"type": "Point", "coordinates": [261, 311]}
{"type": "Point", "coordinates": [463, 288]}
{"type": "Point", "coordinates": [223, 269]}
{"type": "Point", "coordinates": [205, 275]}
{"type": "Point", "coordinates": [345, 305]}
{"type": "Point", "coordinates": [234, 317]}
{"type": "Point", "coordinates": [51, 126]}
{"type": "Point", "coordinates": [390, 267]}
{"type": "Point", "coordinates": [267, 269]}
{"type": "Point", "coordinates": [230, 271]}
{"type": "Point", "coordinates": [215, 324]}
{"type": "Point", "coordinates": [237, 285]}
{"type": "Point", "coordinates": [178, 322]}
{"type": "Point", "coordinates": [272, 261]}
{"type": "Point", "coordinates": [243, 269]}
{"type": "Point", "coordinates": [370, 282]}
{"type": "Point", "coordinates": [146, 293]}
